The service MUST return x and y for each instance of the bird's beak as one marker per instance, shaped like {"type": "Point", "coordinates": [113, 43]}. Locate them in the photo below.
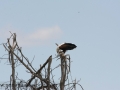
{"type": "Point", "coordinates": [56, 44]}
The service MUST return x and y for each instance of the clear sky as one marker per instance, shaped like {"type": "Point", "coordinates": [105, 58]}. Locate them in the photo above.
{"type": "Point", "coordinates": [93, 25]}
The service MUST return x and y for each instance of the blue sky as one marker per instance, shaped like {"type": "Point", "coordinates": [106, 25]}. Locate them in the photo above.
{"type": "Point", "coordinates": [93, 25]}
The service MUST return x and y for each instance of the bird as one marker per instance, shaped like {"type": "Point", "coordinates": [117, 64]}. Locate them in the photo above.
{"type": "Point", "coordinates": [65, 46]}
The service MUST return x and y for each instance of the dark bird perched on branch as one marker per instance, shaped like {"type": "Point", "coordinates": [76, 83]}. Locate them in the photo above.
{"type": "Point", "coordinates": [65, 46]}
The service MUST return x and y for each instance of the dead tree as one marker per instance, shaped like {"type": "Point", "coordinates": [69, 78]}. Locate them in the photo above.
{"type": "Point", "coordinates": [43, 77]}
{"type": "Point", "coordinates": [11, 48]}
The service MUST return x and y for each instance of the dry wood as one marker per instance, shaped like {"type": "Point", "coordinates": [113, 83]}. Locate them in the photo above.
{"type": "Point", "coordinates": [45, 80]}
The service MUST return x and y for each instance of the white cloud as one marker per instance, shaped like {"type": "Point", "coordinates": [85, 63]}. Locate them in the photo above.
{"type": "Point", "coordinates": [45, 33]}
{"type": "Point", "coordinates": [37, 37]}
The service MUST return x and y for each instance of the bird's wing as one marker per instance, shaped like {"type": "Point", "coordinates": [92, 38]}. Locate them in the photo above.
{"type": "Point", "coordinates": [67, 46]}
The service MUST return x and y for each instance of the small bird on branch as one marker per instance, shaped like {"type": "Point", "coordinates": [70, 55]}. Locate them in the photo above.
{"type": "Point", "coordinates": [64, 47]}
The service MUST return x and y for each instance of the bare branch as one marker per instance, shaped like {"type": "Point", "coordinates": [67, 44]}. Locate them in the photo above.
{"type": "Point", "coordinates": [43, 77]}
{"type": "Point", "coordinates": [48, 77]}
{"type": "Point", "coordinates": [39, 70]}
